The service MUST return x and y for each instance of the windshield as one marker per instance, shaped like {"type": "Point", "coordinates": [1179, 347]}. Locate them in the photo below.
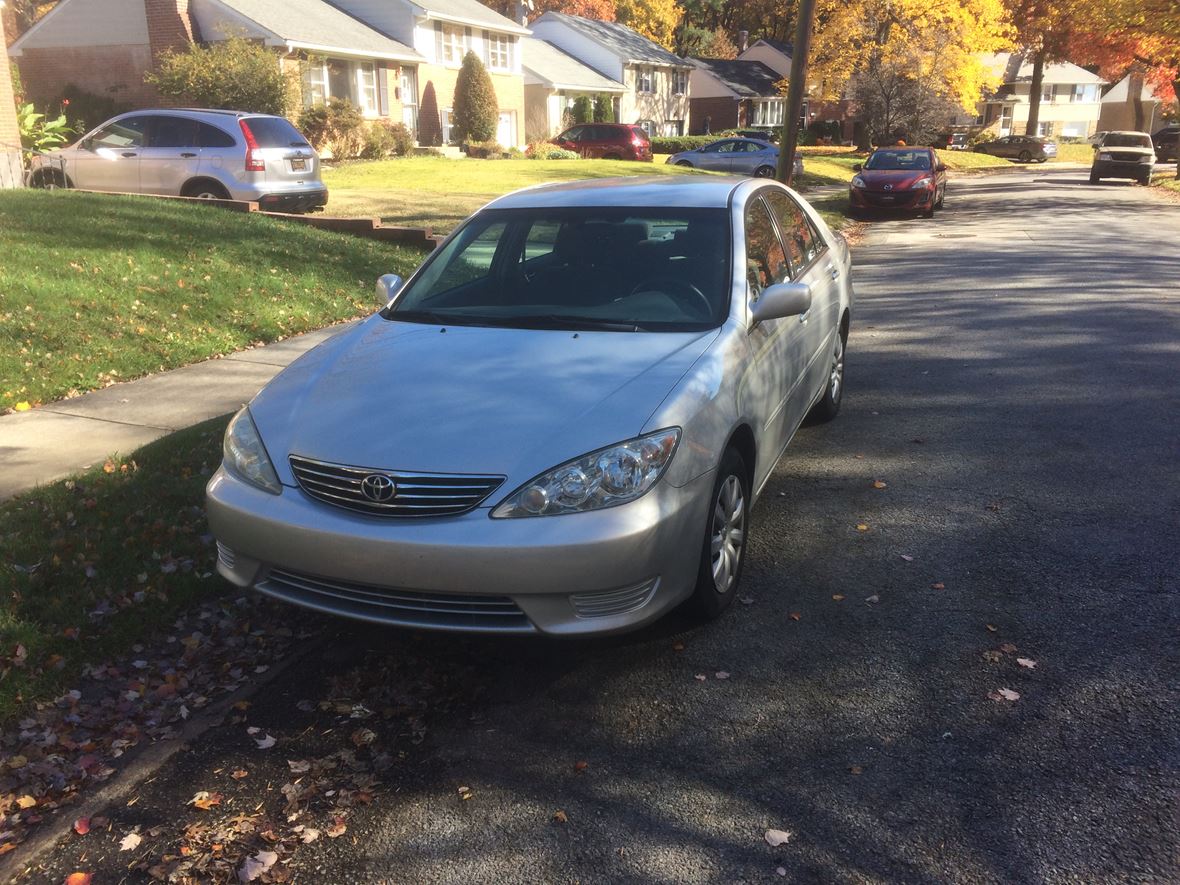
{"type": "Point", "coordinates": [1127, 139]}
{"type": "Point", "coordinates": [603, 268]}
{"type": "Point", "coordinates": [916, 159]}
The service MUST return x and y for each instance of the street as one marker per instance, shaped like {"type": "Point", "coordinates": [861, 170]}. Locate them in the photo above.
{"type": "Point", "coordinates": [954, 657]}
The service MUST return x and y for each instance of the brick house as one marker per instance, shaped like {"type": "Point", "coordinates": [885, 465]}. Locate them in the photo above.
{"type": "Point", "coordinates": [733, 94]}
{"type": "Point", "coordinates": [656, 81]}
{"type": "Point", "coordinates": [10, 161]}
{"type": "Point", "coordinates": [378, 54]}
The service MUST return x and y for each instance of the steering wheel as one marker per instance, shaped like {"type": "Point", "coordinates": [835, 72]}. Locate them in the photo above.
{"type": "Point", "coordinates": [676, 289]}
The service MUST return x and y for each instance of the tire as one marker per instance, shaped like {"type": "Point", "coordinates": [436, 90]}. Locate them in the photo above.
{"type": "Point", "coordinates": [611, 157]}
{"type": "Point", "coordinates": [1043, 160]}
{"type": "Point", "coordinates": [205, 190]}
{"type": "Point", "coordinates": [941, 197]}
{"type": "Point", "coordinates": [929, 213]}
{"type": "Point", "coordinates": [49, 179]}
{"type": "Point", "coordinates": [764, 172]}
{"type": "Point", "coordinates": [828, 406]}
{"type": "Point", "coordinates": [1025, 157]}
{"type": "Point", "coordinates": [727, 526]}
{"type": "Point", "coordinates": [684, 163]}
{"type": "Point", "coordinates": [1094, 179]}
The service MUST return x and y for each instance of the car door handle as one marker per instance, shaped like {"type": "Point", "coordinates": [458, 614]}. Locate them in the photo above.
{"type": "Point", "coordinates": [130, 154]}
{"type": "Point", "coordinates": [834, 271]}
{"type": "Point", "coordinates": [188, 155]}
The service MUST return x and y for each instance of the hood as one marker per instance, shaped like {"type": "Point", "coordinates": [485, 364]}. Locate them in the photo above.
{"type": "Point", "coordinates": [411, 397]}
{"type": "Point", "coordinates": [899, 179]}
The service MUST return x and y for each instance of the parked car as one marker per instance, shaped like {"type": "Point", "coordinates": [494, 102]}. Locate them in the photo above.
{"type": "Point", "coordinates": [1123, 155]}
{"type": "Point", "coordinates": [191, 153]}
{"type": "Point", "coordinates": [1166, 143]}
{"type": "Point", "coordinates": [560, 423]}
{"type": "Point", "coordinates": [910, 179]}
{"type": "Point", "coordinates": [954, 141]}
{"type": "Point", "coordinates": [606, 141]}
{"type": "Point", "coordinates": [740, 156]}
{"type": "Point", "coordinates": [771, 134]}
{"type": "Point", "coordinates": [1025, 148]}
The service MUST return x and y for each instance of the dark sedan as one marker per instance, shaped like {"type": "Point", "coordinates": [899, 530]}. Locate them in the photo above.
{"type": "Point", "coordinates": [909, 179]}
{"type": "Point", "coordinates": [1024, 148]}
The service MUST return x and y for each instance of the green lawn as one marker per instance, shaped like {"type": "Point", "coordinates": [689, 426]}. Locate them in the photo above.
{"type": "Point", "coordinates": [126, 539]}
{"type": "Point", "coordinates": [440, 192]}
{"type": "Point", "coordinates": [95, 289]}
{"type": "Point", "coordinates": [1075, 153]}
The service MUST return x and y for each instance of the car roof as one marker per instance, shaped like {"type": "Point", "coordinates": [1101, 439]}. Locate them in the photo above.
{"type": "Point", "coordinates": [712, 192]}
{"type": "Point", "coordinates": [211, 112]}
{"type": "Point", "coordinates": [896, 148]}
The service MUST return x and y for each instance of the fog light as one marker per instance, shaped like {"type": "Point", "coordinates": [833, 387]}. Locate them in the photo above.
{"type": "Point", "coordinates": [535, 499]}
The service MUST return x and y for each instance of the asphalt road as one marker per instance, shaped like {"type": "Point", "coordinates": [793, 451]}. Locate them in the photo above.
{"type": "Point", "coordinates": [1013, 380]}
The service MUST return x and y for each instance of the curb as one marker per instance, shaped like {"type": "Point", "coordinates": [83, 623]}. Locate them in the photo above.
{"type": "Point", "coordinates": [1013, 169]}
{"type": "Point", "coordinates": [146, 761]}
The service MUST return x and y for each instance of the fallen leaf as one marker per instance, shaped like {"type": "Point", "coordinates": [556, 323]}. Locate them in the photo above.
{"type": "Point", "coordinates": [700, 677]}
{"type": "Point", "coordinates": [862, 527]}
{"type": "Point", "coordinates": [362, 737]}
{"type": "Point", "coordinates": [257, 865]}
{"type": "Point", "coordinates": [337, 829]}
{"type": "Point", "coordinates": [991, 628]}
{"type": "Point", "coordinates": [1004, 694]}
{"type": "Point", "coordinates": [795, 616]}
{"type": "Point", "coordinates": [310, 834]}
{"type": "Point", "coordinates": [239, 774]}
{"type": "Point", "coordinates": [23, 407]}
{"type": "Point", "coordinates": [205, 800]}
{"type": "Point", "coordinates": [877, 484]}
{"type": "Point", "coordinates": [26, 802]}
{"type": "Point", "coordinates": [1029, 663]}
{"type": "Point", "coordinates": [938, 585]}
{"type": "Point", "coordinates": [780, 871]}
{"type": "Point", "coordinates": [299, 766]}
{"type": "Point", "coordinates": [775, 838]}
{"type": "Point", "coordinates": [560, 816]}
{"type": "Point", "coordinates": [838, 597]}
{"type": "Point", "coordinates": [992, 656]}
{"type": "Point", "coordinates": [581, 766]}
{"type": "Point", "coordinates": [746, 600]}
{"type": "Point", "coordinates": [873, 600]}
{"type": "Point", "coordinates": [130, 842]}
{"type": "Point", "coordinates": [722, 674]}
{"type": "Point", "coordinates": [265, 743]}
{"type": "Point", "coordinates": [906, 557]}
{"type": "Point", "coordinates": [1008, 648]}
{"type": "Point", "coordinates": [82, 826]}
{"type": "Point", "coordinates": [856, 769]}
{"type": "Point", "coordinates": [677, 646]}
{"type": "Point", "coordinates": [79, 878]}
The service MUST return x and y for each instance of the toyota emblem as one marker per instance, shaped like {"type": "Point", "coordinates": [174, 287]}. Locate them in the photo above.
{"type": "Point", "coordinates": [888, 187]}
{"type": "Point", "coordinates": [379, 488]}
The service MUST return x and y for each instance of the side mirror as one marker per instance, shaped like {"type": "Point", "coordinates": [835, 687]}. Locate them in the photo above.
{"type": "Point", "coordinates": [941, 167]}
{"type": "Point", "coordinates": [781, 300]}
{"type": "Point", "coordinates": [856, 167]}
{"type": "Point", "coordinates": [387, 286]}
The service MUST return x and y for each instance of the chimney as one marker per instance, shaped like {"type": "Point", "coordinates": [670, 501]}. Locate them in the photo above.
{"type": "Point", "coordinates": [170, 26]}
{"type": "Point", "coordinates": [743, 41]}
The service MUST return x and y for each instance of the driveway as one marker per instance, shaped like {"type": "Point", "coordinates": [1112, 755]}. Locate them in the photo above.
{"type": "Point", "coordinates": [956, 654]}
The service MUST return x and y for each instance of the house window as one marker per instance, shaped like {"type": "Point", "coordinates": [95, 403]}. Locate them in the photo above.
{"type": "Point", "coordinates": [648, 126]}
{"type": "Point", "coordinates": [354, 81]}
{"type": "Point", "coordinates": [1083, 92]}
{"type": "Point", "coordinates": [499, 51]}
{"type": "Point", "coordinates": [452, 43]}
{"type": "Point", "coordinates": [673, 128]}
{"type": "Point", "coordinates": [769, 113]}
{"type": "Point", "coordinates": [1047, 93]}
{"type": "Point", "coordinates": [644, 77]}
{"type": "Point", "coordinates": [1006, 119]}
{"type": "Point", "coordinates": [445, 117]}
{"type": "Point", "coordinates": [1045, 129]}
{"type": "Point", "coordinates": [679, 82]}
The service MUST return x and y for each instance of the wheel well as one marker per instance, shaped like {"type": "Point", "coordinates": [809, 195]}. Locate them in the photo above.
{"type": "Point", "coordinates": [742, 439]}
{"type": "Point", "coordinates": [845, 322]}
{"type": "Point", "coordinates": [194, 184]}
{"type": "Point", "coordinates": [43, 174]}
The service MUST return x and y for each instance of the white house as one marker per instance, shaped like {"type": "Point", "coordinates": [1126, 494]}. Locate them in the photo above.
{"type": "Point", "coordinates": [553, 80]}
{"type": "Point", "coordinates": [1069, 105]}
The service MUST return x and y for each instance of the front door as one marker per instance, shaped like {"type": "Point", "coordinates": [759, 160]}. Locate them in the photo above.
{"type": "Point", "coordinates": [506, 129]}
{"type": "Point", "coordinates": [109, 159]}
{"type": "Point", "coordinates": [408, 88]}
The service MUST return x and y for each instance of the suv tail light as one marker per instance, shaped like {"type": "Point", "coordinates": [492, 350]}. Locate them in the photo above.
{"type": "Point", "coordinates": [637, 141]}
{"type": "Point", "coordinates": [254, 163]}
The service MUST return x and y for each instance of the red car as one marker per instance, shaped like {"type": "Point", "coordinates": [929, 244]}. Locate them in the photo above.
{"type": "Point", "coordinates": [606, 141]}
{"type": "Point", "coordinates": [909, 179]}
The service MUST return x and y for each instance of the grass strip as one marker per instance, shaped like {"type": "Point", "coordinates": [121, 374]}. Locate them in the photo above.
{"type": "Point", "coordinates": [96, 289]}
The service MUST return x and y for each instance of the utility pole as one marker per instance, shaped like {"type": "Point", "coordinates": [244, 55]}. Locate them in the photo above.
{"type": "Point", "coordinates": [790, 136]}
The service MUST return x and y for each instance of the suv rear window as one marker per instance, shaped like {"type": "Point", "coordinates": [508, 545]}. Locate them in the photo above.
{"type": "Point", "coordinates": [639, 133]}
{"type": "Point", "coordinates": [273, 132]}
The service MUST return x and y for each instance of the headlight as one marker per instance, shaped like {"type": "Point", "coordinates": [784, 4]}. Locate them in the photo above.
{"type": "Point", "coordinates": [857, 181]}
{"type": "Point", "coordinates": [246, 456]}
{"type": "Point", "coordinates": [922, 182]}
{"type": "Point", "coordinates": [610, 476]}
{"type": "Point", "coordinates": [1103, 155]}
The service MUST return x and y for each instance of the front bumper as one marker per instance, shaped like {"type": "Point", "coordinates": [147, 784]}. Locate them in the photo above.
{"type": "Point", "coordinates": [860, 198]}
{"type": "Point", "coordinates": [1121, 169]}
{"type": "Point", "coordinates": [604, 571]}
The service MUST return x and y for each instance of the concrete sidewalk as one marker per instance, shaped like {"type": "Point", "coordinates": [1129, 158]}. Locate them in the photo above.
{"type": "Point", "coordinates": [57, 439]}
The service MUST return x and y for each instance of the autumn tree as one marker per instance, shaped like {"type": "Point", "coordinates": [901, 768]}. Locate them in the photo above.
{"type": "Point", "coordinates": [705, 44]}
{"type": "Point", "coordinates": [655, 19]}
{"type": "Point", "coordinates": [603, 10]}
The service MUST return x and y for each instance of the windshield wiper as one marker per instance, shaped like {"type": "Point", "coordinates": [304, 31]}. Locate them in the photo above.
{"type": "Point", "coordinates": [431, 317]}
{"type": "Point", "coordinates": [567, 321]}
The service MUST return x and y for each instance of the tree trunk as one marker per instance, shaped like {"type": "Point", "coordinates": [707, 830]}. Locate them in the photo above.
{"type": "Point", "coordinates": [1135, 87]}
{"type": "Point", "coordinates": [1034, 93]}
{"type": "Point", "coordinates": [1176, 87]}
{"type": "Point", "coordinates": [795, 89]}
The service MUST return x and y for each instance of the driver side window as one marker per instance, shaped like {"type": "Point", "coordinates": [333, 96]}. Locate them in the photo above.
{"type": "Point", "coordinates": [121, 135]}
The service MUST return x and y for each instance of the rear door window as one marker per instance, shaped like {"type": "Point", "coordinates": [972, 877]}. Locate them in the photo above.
{"type": "Point", "coordinates": [172, 132]}
{"type": "Point", "coordinates": [275, 132]}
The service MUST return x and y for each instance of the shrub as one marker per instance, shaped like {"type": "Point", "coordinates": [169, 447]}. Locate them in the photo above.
{"type": "Point", "coordinates": [484, 150]}
{"type": "Point", "coordinates": [336, 129]}
{"type": "Point", "coordinates": [39, 133]}
{"type": "Point", "coordinates": [583, 110]}
{"type": "Point", "coordinates": [234, 74]}
{"type": "Point", "coordinates": [86, 110]}
{"type": "Point", "coordinates": [604, 109]}
{"type": "Point", "coordinates": [429, 127]}
{"type": "Point", "coordinates": [386, 139]}
{"type": "Point", "coordinates": [676, 144]}
{"type": "Point", "coordinates": [476, 108]}
{"type": "Point", "coordinates": [547, 150]}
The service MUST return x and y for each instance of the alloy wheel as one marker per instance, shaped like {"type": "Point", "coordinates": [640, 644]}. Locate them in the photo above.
{"type": "Point", "coordinates": [836, 379]}
{"type": "Point", "coordinates": [728, 534]}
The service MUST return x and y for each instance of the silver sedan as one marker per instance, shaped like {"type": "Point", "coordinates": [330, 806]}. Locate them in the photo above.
{"type": "Point", "coordinates": [559, 424]}
{"type": "Point", "coordinates": [739, 156]}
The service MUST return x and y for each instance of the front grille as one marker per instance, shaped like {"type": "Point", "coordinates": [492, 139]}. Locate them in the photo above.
{"type": "Point", "coordinates": [895, 198]}
{"type": "Point", "coordinates": [613, 602]}
{"type": "Point", "coordinates": [1124, 157]}
{"type": "Point", "coordinates": [226, 555]}
{"type": "Point", "coordinates": [390, 605]}
{"type": "Point", "coordinates": [416, 494]}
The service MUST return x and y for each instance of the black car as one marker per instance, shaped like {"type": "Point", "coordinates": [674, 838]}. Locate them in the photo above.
{"type": "Point", "coordinates": [1166, 141]}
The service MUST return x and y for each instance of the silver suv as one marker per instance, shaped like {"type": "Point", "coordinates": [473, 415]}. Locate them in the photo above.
{"type": "Point", "coordinates": [191, 153]}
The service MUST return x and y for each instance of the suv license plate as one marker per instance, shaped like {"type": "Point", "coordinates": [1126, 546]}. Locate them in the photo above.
{"type": "Point", "coordinates": [298, 165]}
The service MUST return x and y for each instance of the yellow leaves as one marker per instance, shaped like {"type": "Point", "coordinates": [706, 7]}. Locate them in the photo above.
{"type": "Point", "coordinates": [655, 19]}
{"type": "Point", "coordinates": [25, 802]}
{"type": "Point", "coordinates": [22, 406]}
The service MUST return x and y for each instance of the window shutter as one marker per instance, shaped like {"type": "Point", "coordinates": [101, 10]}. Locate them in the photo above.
{"type": "Point", "coordinates": [382, 74]}
{"type": "Point", "coordinates": [438, 43]}
{"type": "Point", "coordinates": [466, 41]}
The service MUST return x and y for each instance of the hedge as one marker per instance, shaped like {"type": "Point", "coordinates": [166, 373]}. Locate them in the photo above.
{"type": "Point", "coordinates": [676, 144]}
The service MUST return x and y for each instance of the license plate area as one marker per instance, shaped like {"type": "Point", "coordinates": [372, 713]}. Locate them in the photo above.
{"type": "Point", "coordinates": [298, 164]}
